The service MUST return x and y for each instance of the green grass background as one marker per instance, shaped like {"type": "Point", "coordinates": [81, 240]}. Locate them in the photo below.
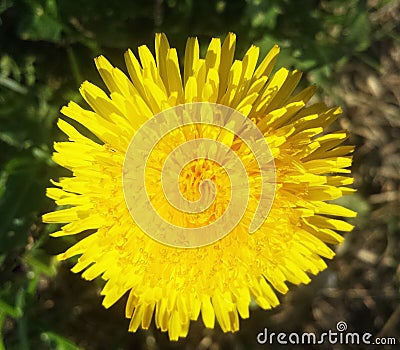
{"type": "Point", "coordinates": [349, 48]}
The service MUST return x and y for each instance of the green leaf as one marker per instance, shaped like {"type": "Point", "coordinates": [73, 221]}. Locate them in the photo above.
{"type": "Point", "coordinates": [22, 195]}
{"type": "Point", "coordinates": [4, 5]}
{"type": "Point", "coordinates": [41, 262]}
{"type": "Point", "coordinates": [263, 14]}
{"type": "Point", "coordinates": [2, 319]}
{"type": "Point", "coordinates": [57, 342]}
{"type": "Point", "coordinates": [14, 312]}
{"type": "Point", "coordinates": [42, 23]}
{"type": "Point", "coordinates": [359, 32]}
{"type": "Point", "coordinates": [12, 85]}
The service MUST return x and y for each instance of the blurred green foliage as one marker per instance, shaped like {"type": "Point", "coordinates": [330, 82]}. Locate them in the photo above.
{"type": "Point", "coordinates": [46, 51]}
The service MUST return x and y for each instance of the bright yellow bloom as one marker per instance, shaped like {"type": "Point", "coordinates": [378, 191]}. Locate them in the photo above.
{"type": "Point", "coordinates": [218, 280]}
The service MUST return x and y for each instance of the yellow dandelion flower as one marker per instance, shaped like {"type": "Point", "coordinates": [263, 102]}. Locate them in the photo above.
{"type": "Point", "coordinates": [208, 188]}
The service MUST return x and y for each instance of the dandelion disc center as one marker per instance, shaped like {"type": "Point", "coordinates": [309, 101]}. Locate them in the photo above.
{"type": "Point", "coordinates": [185, 183]}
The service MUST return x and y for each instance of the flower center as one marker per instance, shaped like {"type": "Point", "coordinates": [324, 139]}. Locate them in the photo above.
{"type": "Point", "coordinates": [192, 178]}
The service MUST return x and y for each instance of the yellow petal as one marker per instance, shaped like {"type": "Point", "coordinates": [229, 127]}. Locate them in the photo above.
{"type": "Point", "coordinates": [191, 58]}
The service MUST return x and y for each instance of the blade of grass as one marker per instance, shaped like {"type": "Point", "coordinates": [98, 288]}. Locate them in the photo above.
{"type": "Point", "coordinates": [2, 319]}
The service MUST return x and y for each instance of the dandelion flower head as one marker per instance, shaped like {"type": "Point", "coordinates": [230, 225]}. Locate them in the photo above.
{"type": "Point", "coordinates": [177, 281]}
